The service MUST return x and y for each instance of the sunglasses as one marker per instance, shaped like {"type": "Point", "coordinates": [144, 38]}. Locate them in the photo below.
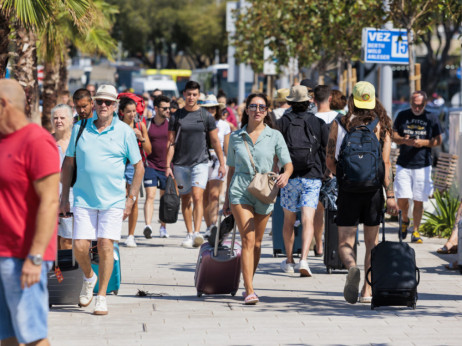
{"type": "Point", "coordinates": [164, 108]}
{"type": "Point", "coordinates": [106, 102]}
{"type": "Point", "coordinates": [254, 107]}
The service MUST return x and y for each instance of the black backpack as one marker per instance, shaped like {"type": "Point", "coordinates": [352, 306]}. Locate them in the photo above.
{"type": "Point", "coordinates": [360, 166]}
{"type": "Point", "coordinates": [169, 203]}
{"type": "Point", "coordinates": [301, 142]}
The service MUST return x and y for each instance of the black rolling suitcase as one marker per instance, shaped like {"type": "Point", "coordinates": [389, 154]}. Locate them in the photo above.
{"type": "Point", "coordinates": [394, 273]}
{"type": "Point", "coordinates": [64, 285]}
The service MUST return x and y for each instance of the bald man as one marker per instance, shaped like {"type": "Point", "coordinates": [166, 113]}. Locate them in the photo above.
{"type": "Point", "coordinates": [29, 200]}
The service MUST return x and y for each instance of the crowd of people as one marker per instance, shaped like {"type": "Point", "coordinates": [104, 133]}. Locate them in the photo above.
{"type": "Point", "coordinates": [105, 148]}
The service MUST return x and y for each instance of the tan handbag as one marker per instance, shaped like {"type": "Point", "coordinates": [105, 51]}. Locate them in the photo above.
{"type": "Point", "coordinates": [263, 185]}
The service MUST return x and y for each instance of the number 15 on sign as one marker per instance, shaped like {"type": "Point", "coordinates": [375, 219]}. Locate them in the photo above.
{"type": "Point", "coordinates": [399, 47]}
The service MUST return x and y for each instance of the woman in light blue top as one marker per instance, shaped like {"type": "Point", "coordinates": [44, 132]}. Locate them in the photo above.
{"type": "Point", "coordinates": [252, 215]}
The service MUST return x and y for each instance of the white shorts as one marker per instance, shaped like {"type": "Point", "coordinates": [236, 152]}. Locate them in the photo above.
{"type": "Point", "coordinates": [93, 223]}
{"type": "Point", "coordinates": [415, 184]}
{"type": "Point", "coordinates": [214, 166]}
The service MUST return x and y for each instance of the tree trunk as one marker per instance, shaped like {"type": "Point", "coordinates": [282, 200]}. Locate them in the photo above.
{"type": "Point", "coordinates": [62, 82]}
{"type": "Point", "coordinates": [50, 91]}
{"type": "Point", "coordinates": [4, 42]}
{"type": "Point", "coordinates": [411, 63]}
{"type": "Point", "coordinates": [25, 69]}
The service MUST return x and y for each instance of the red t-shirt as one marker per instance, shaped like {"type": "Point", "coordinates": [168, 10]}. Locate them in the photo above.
{"type": "Point", "coordinates": [26, 155]}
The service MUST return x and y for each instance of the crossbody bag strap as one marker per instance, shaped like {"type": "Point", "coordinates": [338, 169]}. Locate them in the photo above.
{"type": "Point", "coordinates": [82, 127]}
{"type": "Point", "coordinates": [207, 135]}
{"type": "Point", "coordinates": [250, 155]}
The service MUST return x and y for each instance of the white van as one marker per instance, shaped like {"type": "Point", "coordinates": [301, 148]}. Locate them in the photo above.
{"type": "Point", "coordinates": [151, 83]}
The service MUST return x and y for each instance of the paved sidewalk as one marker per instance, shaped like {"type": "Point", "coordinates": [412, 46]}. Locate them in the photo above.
{"type": "Point", "coordinates": [292, 310]}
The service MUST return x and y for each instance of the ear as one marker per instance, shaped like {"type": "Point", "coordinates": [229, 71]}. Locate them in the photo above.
{"type": "Point", "coordinates": [330, 99]}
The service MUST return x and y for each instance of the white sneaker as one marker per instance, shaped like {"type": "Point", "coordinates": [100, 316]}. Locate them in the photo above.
{"type": "Point", "coordinates": [287, 267]}
{"type": "Point", "coordinates": [303, 268]}
{"type": "Point", "coordinates": [163, 232]}
{"type": "Point", "coordinates": [86, 294]}
{"type": "Point", "coordinates": [207, 232]}
{"type": "Point", "coordinates": [100, 306]}
{"type": "Point", "coordinates": [130, 242]}
{"type": "Point", "coordinates": [198, 239]}
{"type": "Point", "coordinates": [188, 241]}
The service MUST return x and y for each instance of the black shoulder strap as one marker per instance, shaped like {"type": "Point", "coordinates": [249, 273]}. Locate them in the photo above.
{"type": "Point", "coordinates": [82, 127]}
{"type": "Point", "coordinates": [338, 119]}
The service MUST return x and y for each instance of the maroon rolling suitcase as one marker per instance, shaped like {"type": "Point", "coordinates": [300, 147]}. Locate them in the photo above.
{"type": "Point", "coordinates": [218, 268]}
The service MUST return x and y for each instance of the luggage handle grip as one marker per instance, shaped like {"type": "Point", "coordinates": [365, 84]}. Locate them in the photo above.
{"type": "Point", "coordinates": [418, 275]}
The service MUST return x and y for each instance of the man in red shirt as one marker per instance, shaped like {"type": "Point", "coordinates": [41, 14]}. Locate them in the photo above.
{"type": "Point", "coordinates": [29, 200]}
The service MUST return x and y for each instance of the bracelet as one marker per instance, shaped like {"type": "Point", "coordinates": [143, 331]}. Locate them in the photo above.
{"type": "Point", "coordinates": [390, 197]}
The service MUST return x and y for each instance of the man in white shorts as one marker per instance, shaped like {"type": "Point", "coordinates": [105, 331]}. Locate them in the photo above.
{"type": "Point", "coordinates": [100, 202]}
{"type": "Point", "coordinates": [416, 130]}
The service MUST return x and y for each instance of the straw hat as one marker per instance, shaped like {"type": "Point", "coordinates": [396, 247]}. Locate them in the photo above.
{"type": "Point", "coordinates": [299, 93]}
{"type": "Point", "coordinates": [211, 101]}
{"type": "Point", "coordinates": [281, 95]}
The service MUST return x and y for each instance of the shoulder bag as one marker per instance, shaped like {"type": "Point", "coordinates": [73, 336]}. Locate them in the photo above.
{"type": "Point", "coordinates": [263, 185]}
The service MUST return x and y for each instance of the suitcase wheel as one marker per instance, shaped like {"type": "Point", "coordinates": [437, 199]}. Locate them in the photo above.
{"type": "Point", "coordinates": [116, 292]}
{"type": "Point", "coordinates": [199, 294]}
{"type": "Point", "coordinates": [233, 293]}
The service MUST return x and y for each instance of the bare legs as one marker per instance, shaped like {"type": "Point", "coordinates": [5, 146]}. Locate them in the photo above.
{"type": "Point", "coordinates": [149, 204]}
{"type": "Point", "coordinates": [210, 201]}
{"type": "Point", "coordinates": [307, 235]}
{"type": "Point", "coordinates": [319, 227]}
{"type": "Point", "coordinates": [252, 228]}
{"type": "Point", "coordinates": [417, 213]}
{"type": "Point", "coordinates": [192, 208]}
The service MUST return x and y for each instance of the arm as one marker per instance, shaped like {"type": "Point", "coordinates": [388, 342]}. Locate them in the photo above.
{"type": "Point", "coordinates": [170, 153]}
{"type": "Point", "coordinates": [47, 190]}
{"type": "Point", "coordinates": [226, 144]}
{"type": "Point", "coordinates": [392, 207]}
{"type": "Point", "coordinates": [215, 142]}
{"type": "Point", "coordinates": [434, 142]}
{"type": "Point", "coordinates": [283, 178]}
{"type": "Point", "coordinates": [146, 143]}
{"type": "Point", "coordinates": [134, 188]}
{"type": "Point", "coordinates": [67, 171]}
{"type": "Point", "coordinates": [402, 140]}
{"type": "Point", "coordinates": [330, 150]}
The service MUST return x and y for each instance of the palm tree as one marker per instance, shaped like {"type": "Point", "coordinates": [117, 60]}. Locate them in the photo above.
{"type": "Point", "coordinates": [26, 18]}
{"type": "Point", "coordinates": [59, 34]}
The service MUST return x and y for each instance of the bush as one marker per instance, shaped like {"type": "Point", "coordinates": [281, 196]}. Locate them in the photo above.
{"type": "Point", "coordinates": [442, 222]}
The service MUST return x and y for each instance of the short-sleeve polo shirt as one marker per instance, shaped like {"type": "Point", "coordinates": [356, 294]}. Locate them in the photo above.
{"type": "Point", "coordinates": [101, 160]}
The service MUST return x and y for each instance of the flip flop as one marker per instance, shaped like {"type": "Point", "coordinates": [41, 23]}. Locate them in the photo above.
{"type": "Point", "coordinates": [251, 299]}
{"type": "Point", "coordinates": [445, 251]}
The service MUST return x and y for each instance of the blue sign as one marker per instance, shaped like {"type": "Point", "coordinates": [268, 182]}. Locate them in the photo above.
{"type": "Point", "coordinates": [385, 46]}
{"type": "Point", "coordinates": [458, 73]}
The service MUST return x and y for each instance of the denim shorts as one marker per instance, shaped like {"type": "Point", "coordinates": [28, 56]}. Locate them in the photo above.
{"type": "Point", "coordinates": [23, 313]}
{"type": "Point", "coordinates": [154, 178]}
{"type": "Point", "coordinates": [129, 173]}
{"type": "Point", "coordinates": [187, 177]}
{"type": "Point", "coordinates": [300, 192]}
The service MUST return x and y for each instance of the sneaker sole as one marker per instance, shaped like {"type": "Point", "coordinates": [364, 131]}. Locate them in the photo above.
{"type": "Point", "coordinates": [351, 290]}
{"type": "Point", "coordinates": [85, 305]}
{"type": "Point", "coordinates": [305, 273]}
{"type": "Point", "coordinates": [147, 233]}
{"type": "Point", "coordinates": [100, 313]}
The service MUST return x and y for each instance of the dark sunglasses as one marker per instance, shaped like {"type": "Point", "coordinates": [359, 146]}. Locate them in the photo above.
{"type": "Point", "coordinates": [254, 107]}
{"type": "Point", "coordinates": [164, 108]}
{"type": "Point", "coordinates": [106, 102]}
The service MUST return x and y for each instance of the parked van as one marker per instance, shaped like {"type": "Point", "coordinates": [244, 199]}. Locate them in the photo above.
{"type": "Point", "coordinates": [151, 83]}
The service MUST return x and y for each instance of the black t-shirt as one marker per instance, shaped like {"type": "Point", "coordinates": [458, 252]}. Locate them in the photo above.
{"type": "Point", "coordinates": [424, 126]}
{"type": "Point", "coordinates": [321, 131]}
{"type": "Point", "coordinates": [191, 147]}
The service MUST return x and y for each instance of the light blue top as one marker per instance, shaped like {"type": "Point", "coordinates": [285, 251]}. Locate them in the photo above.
{"type": "Point", "coordinates": [269, 143]}
{"type": "Point", "coordinates": [101, 159]}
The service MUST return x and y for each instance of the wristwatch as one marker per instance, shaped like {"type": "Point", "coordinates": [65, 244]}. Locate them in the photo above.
{"type": "Point", "coordinates": [132, 197]}
{"type": "Point", "coordinates": [36, 259]}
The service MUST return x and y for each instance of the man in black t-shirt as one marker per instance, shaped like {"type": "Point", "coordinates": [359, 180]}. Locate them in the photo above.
{"type": "Point", "coordinates": [188, 151]}
{"type": "Point", "coordinates": [301, 129]}
{"type": "Point", "coordinates": [416, 131]}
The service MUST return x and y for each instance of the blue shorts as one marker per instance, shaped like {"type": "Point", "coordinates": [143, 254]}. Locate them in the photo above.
{"type": "Point", "coordinates": [154, 178]}
{"type": "Point", "coordinates": [23, 313]}
{"type": "Point", "coordinates": [187, 177]}
{"type": "Point", "coordinates": [300, 192]}
{"type": "Point", "coordinates": [129, 173]}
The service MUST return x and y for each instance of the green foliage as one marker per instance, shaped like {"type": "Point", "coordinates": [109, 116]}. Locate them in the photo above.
{"type": "Point", "coordinates": [442, 222]}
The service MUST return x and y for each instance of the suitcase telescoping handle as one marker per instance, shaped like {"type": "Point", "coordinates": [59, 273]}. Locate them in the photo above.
{"type": "Point", "coordinates": [68, 215]}
{"type": "Point", "coordinates": [399, 226]}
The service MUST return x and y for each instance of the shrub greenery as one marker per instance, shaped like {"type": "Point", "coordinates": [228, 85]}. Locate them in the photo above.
{"type": "Point", "coordinates": [440, 223]}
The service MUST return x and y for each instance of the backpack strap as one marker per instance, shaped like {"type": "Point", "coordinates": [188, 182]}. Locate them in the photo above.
{"type": "Point", "coordinates": [338, 119]}
{"type": "Point", "coordinates": [82, 127]}
{"type": "Point", "coordinates": [371, 126]}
